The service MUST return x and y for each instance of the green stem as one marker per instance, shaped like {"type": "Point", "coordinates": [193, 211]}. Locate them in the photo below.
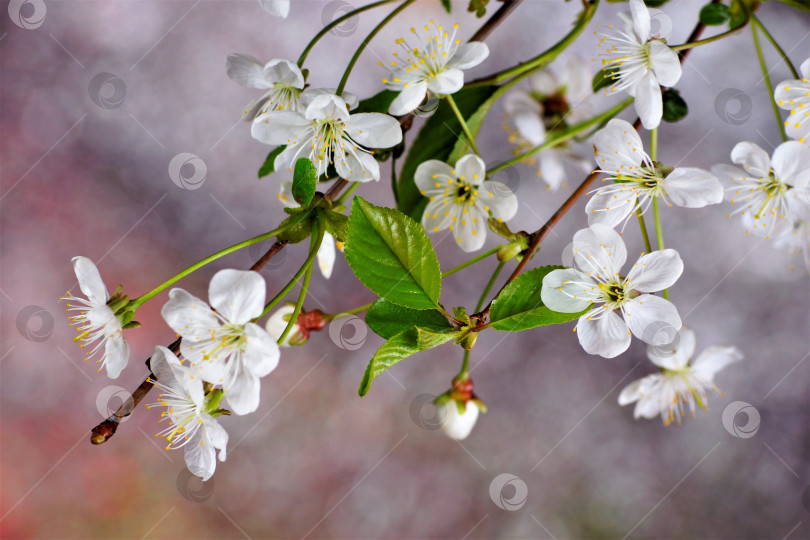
{"type": "Point", "coordinates": [653, 144]}
{"type": "Point", "coordinates": [488, 288]}
{"type": "Point", "coordinates": [366, 41]}
{"type": "Point", "coordinates": [644, 234]}
{"type": "Point", "coordinates": [463, 123]}
{"type": "Point", "coordinates": [776, 46]}
{"type": "Point", "coordinates": [767, 80]}
{"type": "Point", "coordinates": [700, 42]}
{"type": "Point", "coordinates": [333, 24]}
{"type": "Point", "coordinates": [659, 234]}
{"type": "Point", "coordinates": [308, 266]}
{"type": "Point", "coordinates": [464, 364]}
{"type": "Point", "coordinates": [472, 261]}
{"type": "Point", "coordinates": [199, 264]}
{"type": "Point", "coordinates": [345, 195]}
{"type": "Point", "coordinates": [353, 311]}
{"type": "Point", "coordinates": [564, 135]}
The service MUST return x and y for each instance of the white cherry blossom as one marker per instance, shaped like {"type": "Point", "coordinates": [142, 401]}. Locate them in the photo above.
{"type": "Point", "coordinates": [794, 96]}
{"type": "Point", "coordinates": [281, 78]}
{"type": "Point", "coordinates": [461, 201]}
{"type": "Point", "coordinates": [599, 254]}
{"type": "Point", "coordinates": [222, 345]}
{"type": "Point", "coordinates": [680, 384]}
{"type": "Point", "coordinates": [434, 67]}
{"type": "Point", "coordinates": [326, 133]}
{"type": "Point", "coordinates": [641, 63]}
{"type": "Point", "coordinates": [95, 320]}
{"type": "Point", "coordinates": [636, 180]}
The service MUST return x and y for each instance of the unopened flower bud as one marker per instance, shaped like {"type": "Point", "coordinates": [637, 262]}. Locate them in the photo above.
{"type": "Point", "coordinates": [278, 322]}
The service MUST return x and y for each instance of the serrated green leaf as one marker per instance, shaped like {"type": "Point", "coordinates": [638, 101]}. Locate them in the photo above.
{"type": "Point", "coordinates": [379, 102]}
{"type": "Point", "coordinates": [436, 140]}
{"type": "Point", "coordinates": [335, 224]}
{"type": "Point", "coordinates": [399, 347]}
{"type": "Point", "coordinates": [675, 107]}
{"type": "Point", "coordinates": [387, 319]}
{"type": "Point", "coordinates": [298, 232]}
{"type": "Point", "coordinates": [269, 162]}
{"type": "Point", "coordinates": [603, 78]}
{"type": "Point", "coordinates": [391, 254]}
{"type": "Point", "coordinates": [519, 307]}
{"type": "Point", "coordinates": [305, 176]}
{"type": "Point", "coordinates": [714, 14]}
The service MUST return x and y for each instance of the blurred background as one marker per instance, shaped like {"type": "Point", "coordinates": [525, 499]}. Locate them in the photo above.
{"type": "Point", "coordinates": [97, 98]}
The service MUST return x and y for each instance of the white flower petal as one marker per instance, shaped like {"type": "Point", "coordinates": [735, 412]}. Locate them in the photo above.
{"type": "Point", "coordinates": [374, 130]}
{"type": "Point", "coordinates": [216, 434]}
{"type": "Point", "coordinates": [326, 255]}
{"type": "Point", "coordinates": [544, 82]}
{"type": "Point", "coordinates": [714, 359]}
{"type": "Point", "coordinates": [693, 188]}
{"type": "Point", "coordinates": [618, 147]}
{"type": "Point", "coordinates": [525, 113]}
{"type": "Point", "coordinates": [285, 195]}
{"type": "Point", "coordinates": [789, 160]}
{"type": "Point", "coordinates": [261, 353]}
{"type": "Point", "coordinates": [648, 103]}
{"type": "Point", "coordinates": [665, 63]}
{"type": "Point", "coordinates": [469, 55]}
{"type": "Point", "coordinates": [90, 281]}
{"type": "Point", "coordinates": [200, 458]}
{"type": "Point", "coordinates": [247, 71]}
{"type": "Point", "coordinates": [280, 127]}
{"type": "Point", "coordinates": [676, 354]}
{"type": "Point", "coordinates": [458, 426]}
{"type": "Point", "coordinates": [565, 290]}
{"type": "Point", "coordinates": [244, 393]}
{"type": "Point", "coordinates": [446, 82]}
{"type": "Point", "coordinates": [438, 215]}
{"type": "Point", "coordinates": [641, 20]}
{"type": "Point", "coordinates": [600, 250]}
{"type": "Point", "coordinates": [327, 107]}
{"type": "Point", "coordinates": [190, 317]}
{"type": "Point", "coordinates": [577, 79]}
{"type": "Point", "coordinates": [276, 324]}
{"type": "Point", "coordinates": [431, 172]}
{"type": "Point", "coordinates": [470, 232]}
{"type": "Point", "coordinates": [655, 271]}
{"type": "Point", "coordinates": [408, 99]}
{"type": "Point", "coordinates": [284, 72]}
{"type": "Point", "coordinates": [552, 168]}
{"type": "Point", "coordinates": [471, 169]}
{"type": "Point", "coordinates": [237, 295]}
{"type": "Point", "coordinates": [606, 335]}
{"type": "Point", "coordinates": [611, 205]}
{"type": "Point", "coordinates": [358, 167]}
{"type": "Point", "coordinates": [754, 159]}
{"type": "Point", "coordinates": [648, 316]}
{"type": "Point", "coordinates": [496, 197]}
{"type": "Point", "coordinates": [276, 8]}
{"type": "Point", "coordinates": [116, 355]}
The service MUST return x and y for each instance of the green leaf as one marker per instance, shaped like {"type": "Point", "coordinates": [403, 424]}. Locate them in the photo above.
{"type": "Point", "coordinates": [305, 176]}
{"type": "Point", "coordinates": [391, 254]}
{"type": "Point", "coordinates": [447, 5]}
{"type": "Point", "coordinates": [714, 14]}
{"type": "Point", "coordinates": [269, 163]}
{"type": "Point", "coordinates": [479, 7]}
{"type": "Point", "coordinates": [519, 307]}
{"type": "Point", "coordinates": [379, 102]}
{"type": "Point", "coordinates": [675, 107]}
{"type": "Point", "coordinates": [603, 78]}
{"type": "Point", "coordinates": [436, 140]}
{"type": "Point", "coordinates": [298, 232]}
{"type": "Point", "coordinates": [399, 347]}
{"type": "Point", "coordinates": [803, 5]}
{"type": "Point", "coordinates": [335, 224]}
{"type": "Point", "coordinates": [387, 319]}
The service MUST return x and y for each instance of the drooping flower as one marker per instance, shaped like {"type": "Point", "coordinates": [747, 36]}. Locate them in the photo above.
{"type": "Point", "coordinates": [551, 105]}
{"type": "Point", "coordinates": [636, 180]}
{"type": "Point", "coordinates": [222, 345]}
{"type": "Point", "coordinates": [764, 191]}
{"type": "Point", "coordinates": [281, 78]}
{"type": "Point", "coordinates": [276, 8]}
{"type": "Point", "coordinates": [794, 96]}
{"type": "Point", "coordinates": [326, 252]}
{"type": "Point", "coordinates": [436, 67]}
{"type": "Point", "coordinates": [458, 425]}
{"type": "Point", "coordinates": [640, 63]}
{"type": "Point", "coordinates": [191, 424]}
{"type": "Point", "coordinates": [326, 133]}
{"type": "Point", "coordinates": [595, 280]}
{"type": "Point", "coordinates": [95, 320]}
{"type": "Point", "coordinates": [461, 201]}
{"type": "Point", "coordinates": [680, 384]}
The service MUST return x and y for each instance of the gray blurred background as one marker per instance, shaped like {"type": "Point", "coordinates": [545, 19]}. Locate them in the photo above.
{"type": "Point", "coordinates": [85, 172]}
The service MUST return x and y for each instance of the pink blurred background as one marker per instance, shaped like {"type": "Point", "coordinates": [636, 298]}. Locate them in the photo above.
{"type": "Point", "coordinates": [316, 460]}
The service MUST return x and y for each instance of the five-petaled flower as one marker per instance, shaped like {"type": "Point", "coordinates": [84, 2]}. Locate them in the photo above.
{"type": "Point", "coordinates": [326, 133]}
{"type": "Point", "coordinates": [551, 105]}
{"type": "Point", "coordinates": [641, 63]}
{"type": "Point", "coordinates": [191, 424]}
{"type": "Point", "coordinates": [435, 67]}
{"type": "Point", "coordinates": [599, 254]}
{"type": "Point", "coordinates": [222, 345]}
{"type": "Point", "coordinates": [764, 191]}
{"type": "Point", "coordinates": [95, 320]}
{"type": "Point", "coordinates": [636, 180]}
{"type": "Point", "coordinates": [461, 201]}
{"type": "Point", "coordinates": [794, 96]}
{"type": "Point", "coordinates": [680, 384]}
{"type": "Point", "coordinates": [281, 78]}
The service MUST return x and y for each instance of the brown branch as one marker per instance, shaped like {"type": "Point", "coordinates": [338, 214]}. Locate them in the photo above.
{"type": "Point", "coordinates": [496, 19]}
